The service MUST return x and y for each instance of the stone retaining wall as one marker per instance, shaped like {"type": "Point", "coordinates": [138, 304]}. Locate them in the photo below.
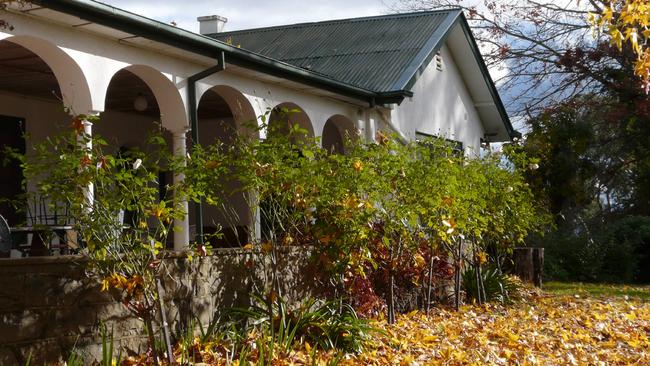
{"type": "Point", "coordinates": [48, 306]}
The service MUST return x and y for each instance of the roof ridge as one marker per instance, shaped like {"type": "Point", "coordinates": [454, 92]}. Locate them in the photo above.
{"type": "Point", "coordinates": [335, 21]}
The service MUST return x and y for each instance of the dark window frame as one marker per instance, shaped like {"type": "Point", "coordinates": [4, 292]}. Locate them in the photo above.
{"type": "Point", "coordinates": [458, 146]}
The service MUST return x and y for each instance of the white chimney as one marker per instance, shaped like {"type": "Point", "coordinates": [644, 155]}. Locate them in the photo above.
{"type": "Point", "coordinates": [211, 24]}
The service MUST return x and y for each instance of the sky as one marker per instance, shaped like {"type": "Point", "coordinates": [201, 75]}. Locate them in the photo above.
{"type": "Point", "coordinates": [243, 14]}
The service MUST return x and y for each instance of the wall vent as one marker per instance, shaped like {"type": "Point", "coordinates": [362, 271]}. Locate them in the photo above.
{"type": "Point", "coordinates": [439, 64]}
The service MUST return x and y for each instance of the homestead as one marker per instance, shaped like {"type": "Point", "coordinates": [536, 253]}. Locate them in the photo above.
{"type": "Point", "coordinates": [413, 74]}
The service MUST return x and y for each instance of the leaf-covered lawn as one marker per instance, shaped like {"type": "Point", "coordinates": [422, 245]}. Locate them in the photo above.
{"type": "Point", "coordinates": [543, 329]}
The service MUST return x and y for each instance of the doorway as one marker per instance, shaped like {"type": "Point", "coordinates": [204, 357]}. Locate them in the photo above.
{"type": "Point", "coordinates": [12, 130]}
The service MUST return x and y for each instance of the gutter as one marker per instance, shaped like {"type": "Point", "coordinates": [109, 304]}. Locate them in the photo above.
{"type": "Point", "coordinates": [140, 26]}
{"type": "Point", "coordinates": [194, 126]}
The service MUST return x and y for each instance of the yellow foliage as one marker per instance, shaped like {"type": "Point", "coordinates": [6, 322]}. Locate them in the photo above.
{"type": "Point", "coordinates": [628, 21]}
{"type": "Point", "coordinates": [357, 165]}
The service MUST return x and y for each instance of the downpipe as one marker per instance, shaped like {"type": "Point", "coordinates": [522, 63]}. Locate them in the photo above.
{"type": "Point", "coordinates": [194, 127]}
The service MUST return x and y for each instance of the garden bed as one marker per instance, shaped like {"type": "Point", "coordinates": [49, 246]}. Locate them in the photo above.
{"type": "Point", "coordinates": [542, 329]}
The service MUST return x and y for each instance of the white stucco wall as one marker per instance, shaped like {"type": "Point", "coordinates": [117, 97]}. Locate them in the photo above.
{"type": "Point", "coordinates": [264, 97]}
{"type": "Point", "coordinates": [441, 106]}
{"type": "Point", "coordinates": [41, 117]}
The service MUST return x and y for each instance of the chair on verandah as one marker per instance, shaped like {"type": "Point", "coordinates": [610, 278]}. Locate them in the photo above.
{"type": "Point", "coordinates": [50, 228]}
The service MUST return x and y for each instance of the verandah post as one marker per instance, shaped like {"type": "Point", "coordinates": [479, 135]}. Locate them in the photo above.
{"type": "Point", "coordinates": [181, 226]}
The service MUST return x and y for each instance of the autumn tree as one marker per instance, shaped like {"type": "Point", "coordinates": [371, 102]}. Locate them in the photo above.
{"type": "Point", "coordinates": [554, 59]}
{"type": "Point", "coordinates": [576, 74]}
{"type": "Point", "coordinates": [628, 22]}
{"type": "Point", "coordinates": [545, 51]}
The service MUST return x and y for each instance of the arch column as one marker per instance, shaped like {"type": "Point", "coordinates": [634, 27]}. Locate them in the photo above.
{"type": "Point", "coordinates": [360, 124]}
{"type": "Point", "coordinates": [85, 142]}
{"type": "Point", "coordinates": [181, 226]}
{"type": "Point", "coordinates": [370, 126]}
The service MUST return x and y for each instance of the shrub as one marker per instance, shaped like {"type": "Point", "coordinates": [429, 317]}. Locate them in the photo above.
{"type": "Point", "coordinates": [325, 324]}
{"type": "Point", "coordinates": [617, 251]}
{"type": "Point", "coordinates": [117, 207]}
{"type": "Point", "coordinates": [626, 251]}
{"type": "Point", "coordinates": [497, 286]}
{"type": "Point", "coordinates": [374, 216]}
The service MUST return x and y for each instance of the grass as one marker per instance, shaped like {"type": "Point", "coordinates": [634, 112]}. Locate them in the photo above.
{"type": "Point", "coordinates": [641, 292]}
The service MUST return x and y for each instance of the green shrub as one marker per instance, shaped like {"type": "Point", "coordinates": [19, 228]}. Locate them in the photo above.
{"type": "Point", "coordinates": [498, 286]}
{"type": "Point", "coordinates": [626, 251]}
{"type": "Point", "coordinates": [614, 252]}
{"type": "Point", "coordinates": [327, 325]}
{"type": "Point", "coordinates": [570, 257]}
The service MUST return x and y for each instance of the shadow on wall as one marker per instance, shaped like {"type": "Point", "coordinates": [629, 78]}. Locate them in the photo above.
{"type": "Point", "coordinates": [48, 306]}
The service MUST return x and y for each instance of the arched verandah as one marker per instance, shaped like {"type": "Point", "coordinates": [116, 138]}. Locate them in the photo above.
{"type": "Point", "coordinates": [337, 131]}
{"type": "Point", "coordinates": [285, 116]}
{"type": "Point", "coordinates": [40, 87]}
{"type": "Point", "coordinates": [224, 116]}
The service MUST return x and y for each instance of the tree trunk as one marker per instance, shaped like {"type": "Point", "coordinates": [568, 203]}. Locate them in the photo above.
{"type": "Point", "coordinates": [529, 264]}
{"type": "Point", "coordinates": [430, 284]}
{"type": "Point", "coordinates": [538, 266]}
{"type": "Point", "coordinates": [163, 315]}
{"type": "Point", "coordinates": [457, 286]}
{"type": "Point", "coordinates": [163, 320]}
{"type": "Point", "coordinates": [458, 274]}
{"type": "Point", "coordinates": [391, 292]}
{"type": "Point", "coordinates": [391, 302]}
{"type": "Point", "coordinates": [479, 284]}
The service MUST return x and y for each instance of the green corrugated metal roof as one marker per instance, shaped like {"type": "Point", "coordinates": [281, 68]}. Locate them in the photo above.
{"type": "Point", "coordinates": [382, 53]}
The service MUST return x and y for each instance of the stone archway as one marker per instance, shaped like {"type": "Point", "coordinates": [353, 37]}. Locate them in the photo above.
{"type": "Point", "coordinates": [285, 116]}
{"type": "Point", "coordinates": [224, 116]}
{"type": "Point", "coordinates": [336, 132]}
{"type": "Point", "coordinates": [140, 101]}
{"type": "Point", "coordinates": [173, 114]}
{"type": "Point", "coordinates": [40, 87]}
{"type": "Point", "coordinates": [74, 89]}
